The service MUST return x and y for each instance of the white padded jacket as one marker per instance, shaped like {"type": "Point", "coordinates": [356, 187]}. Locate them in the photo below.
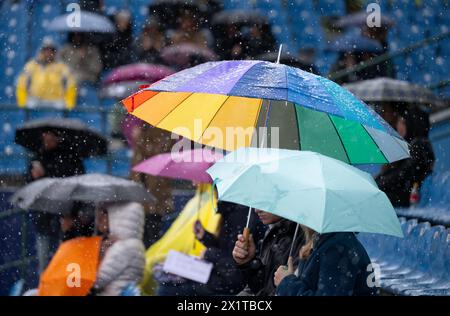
{"type": "Point", "coordinates": [123, 262]}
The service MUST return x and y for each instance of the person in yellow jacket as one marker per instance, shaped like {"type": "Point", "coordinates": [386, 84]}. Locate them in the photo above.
{"type": "Point", "coordinates": [180, 235]}
{"type": "Point", "coordinates": [46, 82]}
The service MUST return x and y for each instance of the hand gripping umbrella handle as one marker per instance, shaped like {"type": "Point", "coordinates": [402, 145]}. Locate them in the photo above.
{"type": "Point", "coordinates": [246, 234]}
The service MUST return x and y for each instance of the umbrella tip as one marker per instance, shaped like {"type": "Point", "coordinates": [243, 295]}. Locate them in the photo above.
{"type": "Point", "coordinates": [279, 53]}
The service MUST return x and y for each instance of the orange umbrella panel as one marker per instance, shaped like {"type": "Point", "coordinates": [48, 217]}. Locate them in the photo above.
{"type": "Point", "coordinates": [73, 269]}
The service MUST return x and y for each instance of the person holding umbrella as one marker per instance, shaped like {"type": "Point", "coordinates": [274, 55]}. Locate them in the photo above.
{"type": "Point", "coordinates": [330, 264]}
{"type": "Point", "coordinates": [82, 57]}
{"type": "Point", "coordinates": [307, 188]}
{"type": "Point", "coordinates": [108, 262]}
{"type": "Point", "coordinates": [51, 161]}
{"type": "Point", "coordinates": [58, 145]}
{"type": "Point", "coordinates": [216, 234]}
{"type": "Point", "coordinates": [258, 265]}
{"type": "Point", "coordinates": [401, 179]}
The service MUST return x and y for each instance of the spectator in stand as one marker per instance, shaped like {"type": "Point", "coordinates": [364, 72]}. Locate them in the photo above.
{"type": "Point", "coordinates": [347, 60]}
{"type": "Point", "coordinates": [258, 40]}
{"type": "Point", "coordinates": [150, 43]}
{"type": "Point", "coordinates": [83, 58]}
{"type": "Point", "coordinates": [122, 253]}
{"type": "Point", "coordinates": [117, 48]}
{"type": "Point", "coordinates": [149, 141]}
{"type": "Point", "coordinates": [188, 30]}
{"type": "Point", "coordinates": [46, 82]}
{"type": "Point", "coordinates": [331, 264]}
{"type": "Point", "coordinates": [226, 278]}
{"type": "Point", "coordinates": [259, 261]}
{"type": "Point", "coordinates": [80, 221]}
{"type": "Point", "coordinates": [399, 178]}
{"type": "Point", "coordinates": [51, 161]}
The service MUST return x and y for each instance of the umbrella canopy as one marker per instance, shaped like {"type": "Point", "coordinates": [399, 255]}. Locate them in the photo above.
{"type": "Point", "coordinates": [84, 252]}
{"type": "Point", "coordinates": [32, 197]}
{"type": "Point", "coordinates": [48, 194]}
{"type": "Point", "coordinates": [75, 136]}
{"type": "Point", "coordinates": [309, 112]}
{"type": "Point", "coordinates": [185, 55]}
{"type": "Point", "coordinates": [355, 43]}
{"type": "Point", "coordinates": [139, 72]}
{"type": "Point", "coordinates": [239, 17]}
{"type": "Point", "coordinates": [187, 164]}
{"type": "Point", "coordinates": [360, 19]}
{"type": "Point", "coordinates": [322, 193]}
{"type": "Point", "coordinates": [88, 22]}
{"type": "Point", "coordinates": [392, 90]}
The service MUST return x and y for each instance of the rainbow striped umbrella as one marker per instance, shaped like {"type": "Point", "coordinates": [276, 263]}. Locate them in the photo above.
{"type": "Point", "coordinates": [215, 101]}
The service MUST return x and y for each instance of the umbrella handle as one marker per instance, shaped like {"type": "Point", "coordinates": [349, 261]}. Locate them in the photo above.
{"type": "Point", "coordinates": [246, 234]}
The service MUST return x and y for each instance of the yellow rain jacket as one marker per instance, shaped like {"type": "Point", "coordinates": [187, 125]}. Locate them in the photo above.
{"type": "Point", "coordinates": [50, 82]}
{"type": "Point", "coordinates": [180, 235]}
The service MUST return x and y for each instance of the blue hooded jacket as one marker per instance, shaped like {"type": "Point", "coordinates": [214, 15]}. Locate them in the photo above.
{"type": "Point", "coordinates": [338, 265]}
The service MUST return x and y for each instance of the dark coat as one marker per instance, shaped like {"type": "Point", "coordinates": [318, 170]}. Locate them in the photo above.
{"type": "Point", "coordinates": [337, 266]}
{"type": "Point", "coordinates": [398, 178]}
{"type": "Point", "coordinates": [57, 164]}
{"type": "Point", "coordinates": [272, 252]}
{"type": "Point", "coordinates": [226, 277]}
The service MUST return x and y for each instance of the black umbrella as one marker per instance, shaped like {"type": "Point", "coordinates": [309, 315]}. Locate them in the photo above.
{"type": "Point", "coordinates": [56, 195]}
{"type": "Point", "coordinates": [75, 136]}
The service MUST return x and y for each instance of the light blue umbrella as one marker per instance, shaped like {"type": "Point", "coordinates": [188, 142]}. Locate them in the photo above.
{"type": "Point", "coordinates": [322, 193]}
{"type": "Point", "coordinates": [82, 21]}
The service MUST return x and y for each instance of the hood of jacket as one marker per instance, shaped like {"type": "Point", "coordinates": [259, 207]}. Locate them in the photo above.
{"type": "Point", "coordinates": [126, 220]}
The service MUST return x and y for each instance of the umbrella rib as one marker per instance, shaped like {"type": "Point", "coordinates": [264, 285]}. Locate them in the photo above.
{"type": "Point", "coordinates": [340, 139]}
{"type": "Point", "coordinates": [298, 126]}
{"type": "Point", "coordinates": [255, 124]}
{"type": "Point", "coordinates": [215, 114]}
{"type": "Point", "coordinates": [175, 107]}
{"type": "Point", "coordinates": [373, 140]}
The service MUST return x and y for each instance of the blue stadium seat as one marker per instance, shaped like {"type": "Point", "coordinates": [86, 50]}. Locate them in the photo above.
{"type": "Point", "coordinates": [13, 164]}
{"type": "Point", "coordinates": [237, 4]}
{"type": "Point", "coordinates": [87, 96]}
{"type": "Point", "coordinates": [328, 7]}
{"type": "Point", "coordinates": [139, 11]}
{"type": "Point", "coordinates": [42, 13]}
{"type": "Point", "coordinates": [95, 165]}
{"type": "Point", "coordinates": [93, 119]}
{"type": "Point", "coordinates": [9, 120]}
{"type": "Point", "coordinates": [43, 113]}
{"type": "Point", "coordinates": [393, 249]}
{"type": "Point", "coordinates": [434, 266]}
{"type": "Point", "coordinates": [13, 53]}
{"type": "Point", "coordinates": [108, 102]}
{"type": "Point", "coordinates": [410, 256]}
{"type": "Point", "coordinates": [121, 162]}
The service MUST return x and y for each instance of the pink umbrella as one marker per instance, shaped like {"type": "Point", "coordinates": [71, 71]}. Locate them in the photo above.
{"type": "Point", "coordinates": [139, 72]}
{"type": "Point", "coordinates": [188, 164]}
